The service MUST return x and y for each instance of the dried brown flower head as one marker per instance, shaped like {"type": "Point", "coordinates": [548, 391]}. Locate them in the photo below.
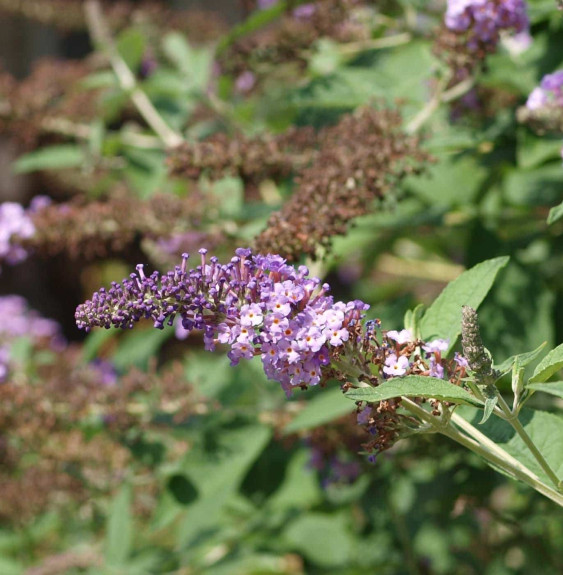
{"type": "Point", "coordinates": [46, 101]}
{"type": "Point", "coordinates": [96, 229]}
{"type": "Point", "coordinates": [361, 159]}
{"type": "Point", "coordinates": [61, 431]}
{"type": "Point", "coordinates": [200, 25]}
{"type": "Point", "coordinates": [251, 158]}
{"type": "Point", "coordinates": [288, 39]}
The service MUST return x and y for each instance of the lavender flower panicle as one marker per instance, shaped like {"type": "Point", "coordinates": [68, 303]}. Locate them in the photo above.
{"type": "Point", "coordinates": [19, 321]}
{"type": "Point", "coordinates": [484, 20]}
{"type": "Point", "coordinates": [544, 106]}
{"type": "Point", "coordinates": [14, 222]}
{"type": "Point", "coordinates": [258, 305]}
{"type": "Point", "coordinates": [548, 94]}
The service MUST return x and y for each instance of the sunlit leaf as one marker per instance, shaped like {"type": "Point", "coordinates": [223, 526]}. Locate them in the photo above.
{"type": "Point", "coordinates": [413, 386]}
{"type": "Point", "coordinates": [443, 317]}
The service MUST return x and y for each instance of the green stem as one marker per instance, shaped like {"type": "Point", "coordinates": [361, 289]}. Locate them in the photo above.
{"type": "Point", "coordinates": [441, 95]}
{"type": "Point", "coordinates": [496, 456]}
{"type": "Point", "coordinates": [488, 443]}
{"type": "Point", "coordinates": [352, 48]}
{"type": "Point", "coordinates": [125, 77]}
{"type": "Point", "coordinates": [513, 420]}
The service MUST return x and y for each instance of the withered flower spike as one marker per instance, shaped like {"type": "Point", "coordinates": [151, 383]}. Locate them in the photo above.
{"type": "Point", "coordinates": [360, 160]}
{"type": "Point", "coordinates": [99, 228]}
{"type": "Point", "coordinates": [474, 350]}
{"type": "Point", "coordinates": [199, 25]}
{"type": "Point", "coordinates": [253, 159]}
{"type": "Point", "coordinates": [292, 35]}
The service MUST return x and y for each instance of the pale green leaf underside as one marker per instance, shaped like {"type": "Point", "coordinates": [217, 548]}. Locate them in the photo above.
{"type": "Point", "coordinates": [553, 388]}
{"type": "Point", "coordinates": [50, 158]}
{"type": "Point", "coordinates": [549, 365]}
{"type": "Point", "coordinates": [521, 360]}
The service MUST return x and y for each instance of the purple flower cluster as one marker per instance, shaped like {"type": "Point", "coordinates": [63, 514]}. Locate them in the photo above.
{"type": "Point", "coordinates": [549, 94]}
{"type": "Point", "coordinates": [547, 99]}
{"type": "Point", "coordinates": [19, 321]}
{"type": "Point", "coordinates": [484, 20]}
{"type": "Point", "coordinates": [4, 362]}
{"type": "Point", "coordinates": [14, 221]}
{"type": "Point", "coordinates": [258, 305]}
{"type": "Point", "coordinates": [401, 345]}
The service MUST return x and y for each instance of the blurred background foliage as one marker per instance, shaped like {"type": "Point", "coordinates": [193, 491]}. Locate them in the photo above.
{"type": "Point", "coordinates": [158, 457]}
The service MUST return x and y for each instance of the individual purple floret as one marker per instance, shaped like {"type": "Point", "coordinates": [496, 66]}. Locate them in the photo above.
{"type": "Point", "coordinates": [485, 20]}
{"type": "Point", "coordinates": [396, 366]}
{"type": "Point", "coordinates": [549, 94]}
{"type": "Point", "coordinates": [401, 337]}
{"type": "Point", "coordinates": [255, 304]}
{"type": "Point", "coordinates": [14, 221]}
{"type": "Point", "coordinates": [436, 346]}
{"type": "Point", "coordinates": [245, 82]}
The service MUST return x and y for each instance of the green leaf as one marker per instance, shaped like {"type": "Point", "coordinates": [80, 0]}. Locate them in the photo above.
{"type": "Point", "coordinates": [549, 365]}
{"type": "Point", "coordinates": [519, 361]}
{"type": "Point", "coordinates": [437, 185]}
{"type": "Point", "coordinates": [229, 192]}
{"type": "Point", "coordinates": [412, 319]}
{"type": "Point", "coordinates": [96, 139]}
{"type": "Point", "coordinates": [490, 402]}
{"type": "Point", "coordinates": [537, 187]}
{"type": "Point", "coordinates": [534, 150]}
{"type": "Point", "coordinates": [397, 73]}
{"type": "Point", "coordinates": [21, 349]}
{"type": "Point", "coordinates": [216, 470]}
{"type": "Point", "coordinates": [119, 533]}
{"type": "Point", "coordinates": [178, 51]}
{"type": "Point", "coordinates": [326, 57]}
{"type": "Point", "coordinates": [131, 47]}
{"type": "Point", "coordinates": [443, 317]}
{"type": "Point", "coordinates": [10, 567]}
{"type": "Point", "coordinates": [300, 488]}
{"type": "Point", "coordinates": [50, 158]}
{"type": "Point", "coordinates": [94, 342]}
{"type": "Point", "coordinates": [257, 20]}
{"type": "Point", "coordinates": [137, 347]}
{"type": "Point", "coordinates": [102, 79]}
{"type": "Point", "coordinates": [323, 538]}
{"type": "Point", "coordinates": [414, 386]}
{"type": "Point", "coordinates": [194, 64]}
{"type": "Point", "coordinates": [325, 407]}
{"type": "Point", "coordinates": [519, 298]}
{"type": "Point", "coordinates": [553, 388]}
{"type": "Point", "coordinates": [555, 214]}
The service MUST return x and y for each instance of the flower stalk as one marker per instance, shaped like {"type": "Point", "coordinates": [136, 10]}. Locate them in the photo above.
{"type": "Point", "coordinates": [483, 447]}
